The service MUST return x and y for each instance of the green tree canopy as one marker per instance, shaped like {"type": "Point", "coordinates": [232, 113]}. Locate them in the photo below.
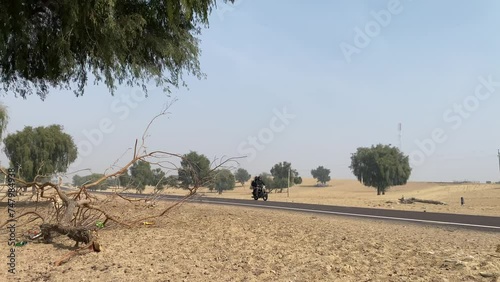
{"type": "Point", "coordinates": [223, 180]}
{"type": "Point", "coordinates": [124, 180]}
{"type": "Point", "coordinates": [297, 180]}
{"type": "Point", "coordinates": [141, 175]}
{"type": "Point", "coordinates": [79, 181]}
{"type": "Point", "coordinates": [4, 118]}
{"type": "Point", "coordinates": [380, 166]}
{"type": "Point", "coordinates": [172, 181]}
{"type": "Point", "coordinates": [159, 179]}
{"type": "Point", "coordinates": [195, 170]}
{"type": "Point", "coordinates": [321, 174]}
{"type": "Point", "coordinates": [40, 151]}
{"type": "Point", "coordinates": [2, 176]}
{"type": "Point", "coordinates": [268, 180]}
{"type": "Point", "coordinates": [281, 172]}
{"type": "Point", "coordinates": [54, 43]}
{"type": "Point", "coordinates": [242, 176]}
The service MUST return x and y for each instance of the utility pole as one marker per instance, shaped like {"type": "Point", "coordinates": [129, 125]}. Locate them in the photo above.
{"type": "Point", "coordinates": [288, 188]}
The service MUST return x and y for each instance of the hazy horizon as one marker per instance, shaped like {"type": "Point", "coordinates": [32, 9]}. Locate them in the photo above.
{"type": "Point", "coordinates": [283, 68]}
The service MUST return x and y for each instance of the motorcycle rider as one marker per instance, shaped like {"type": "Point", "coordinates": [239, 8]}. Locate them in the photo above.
{"type": "Point", "coordinates": [257, 183]}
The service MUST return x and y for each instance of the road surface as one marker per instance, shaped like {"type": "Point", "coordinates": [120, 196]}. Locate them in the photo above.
{"type": "Point", "coordinates": [484, 223]}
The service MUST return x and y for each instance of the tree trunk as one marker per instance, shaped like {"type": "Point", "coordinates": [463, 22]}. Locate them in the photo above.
{"type": "Point", "coordinates": [378, 191]}
{"type": "Point", "coordinates": [79, 234]}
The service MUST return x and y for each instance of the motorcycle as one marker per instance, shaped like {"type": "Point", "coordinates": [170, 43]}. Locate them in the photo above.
{"type": "Point", "coordinates": [260, 192]}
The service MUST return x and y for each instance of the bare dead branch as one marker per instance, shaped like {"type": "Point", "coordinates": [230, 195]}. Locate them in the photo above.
{"type": "Point", "coordinates": [80, 209]}
{"type": "Point", "coordinates": [129, 200]}
{"type": "Point", "coordinates": [178, 203]}
{"type": "Point", "coordinates": [22, 215]}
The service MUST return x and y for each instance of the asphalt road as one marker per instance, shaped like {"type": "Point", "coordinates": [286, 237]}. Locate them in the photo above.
{"type": "Point", "coordinates": [483, 223]}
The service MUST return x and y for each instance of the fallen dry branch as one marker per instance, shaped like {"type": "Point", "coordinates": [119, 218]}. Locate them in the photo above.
{"type": "Point", "coordinates": [79, 214]}
{"type": "Point", "coordinates": [92, 246]}
{"type": "Point", "coordinates": [415, 200]}
{"type": "Point", "coordinates": [178, 203]}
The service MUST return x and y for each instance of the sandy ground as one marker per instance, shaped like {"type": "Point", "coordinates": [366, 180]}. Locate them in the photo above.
{"type": "Point", "coordinates": [199, 242]}
{"type": "Point", "coordinates": [480, 199]}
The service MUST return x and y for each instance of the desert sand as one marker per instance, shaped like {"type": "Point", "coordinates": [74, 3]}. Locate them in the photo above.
{"type": "Point", "coordinates": [480, 199]}
{"type": "Point", "coordinates": [201, 242]}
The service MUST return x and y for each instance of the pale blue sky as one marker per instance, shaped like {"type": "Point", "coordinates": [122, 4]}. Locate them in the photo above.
{"type": "Point", "coordinates": [266, 55]}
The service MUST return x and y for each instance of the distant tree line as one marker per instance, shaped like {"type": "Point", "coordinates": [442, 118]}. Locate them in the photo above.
{"type": "Point", "coordinates": [42, 152]}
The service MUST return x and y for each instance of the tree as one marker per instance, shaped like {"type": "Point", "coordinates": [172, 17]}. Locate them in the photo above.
{"type": "Point", "coordinates": [280, 183]}
{"type": "Point", "coordinates": [141, 174]}
{"type": "Point", "coordinates": [242, 176]}
{"type": "Point", "coordinates": [76, 214]}
{"type": "Point", "coordinates": [172, 181]}
{"type": "Point", "coordinates": [268, 180]}
{"type": "Point", "coordinates": [40, 151]}
{"type": "Point", "coordinates": [2, 176]}
{"type": "Point", "coordinates": [223, 180]}
{"type": "Point", "coordinates": [54, 43]}
{"type": "Point", "coordinates": [4, 118]}
{"type": "Point", "coordinates": [281, 172]}
{"type": "Point", "coordinates": [321, 174]}
{"type": "Point", "coordinates": [159, 179]}
{"type": "Point", "coordinates": [297, 180]}
{"type": "Point", "coordinates": [380, 166]}
{"type": "Point", "coordinates": [195, 170]}
{"type": "Point", "coordinates": [124, 180]}
{"type": "Point", "coordinates": [79, 181]}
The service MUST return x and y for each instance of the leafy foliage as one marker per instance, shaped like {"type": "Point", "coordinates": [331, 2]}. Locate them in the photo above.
{"type": "Point", "coordinates": [268, 180]}
{"type": "Point", "coordinates": [223, 180]}
{"type": "Point", "coordinates": [4, 118]}
{"type": "Point", "coordinates": [380, 166]}
{"type": "Point", "coordinates": [297, 180]}
{"type": "Point", "coordinates": [79, 181]}
{"type": "Point", "coordinates": [54, 43]}
{"type": "Point", "coordinates": [124, 180]}
{"type": "Point", "coordinates": [159, 179]}
{"type": "Point", "coordinates": [195, 170]}
{"type": "Point", "coordinates": [321, 174]}
{"type": "Point", "coordinates": [172, 181]}
{"type": "Point", "coordinates": [40, 151]}
{"type": "Point", "coordinates": [141, 174]}
{"type": "Point", "coordinates": [280, 183]}
{"type": "Point", "coordinates": [280, 173]}
{"type": "Point", "coordinates": [242, 176]}
{"type": "Point", "coordinates": [2, 176]}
